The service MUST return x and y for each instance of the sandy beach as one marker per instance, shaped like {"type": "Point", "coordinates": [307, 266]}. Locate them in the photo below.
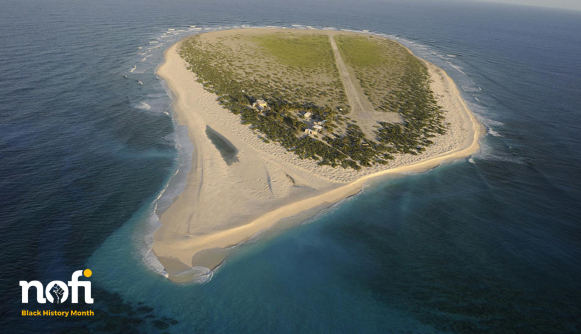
{"type": "Point", "coordinates": [226, 204]}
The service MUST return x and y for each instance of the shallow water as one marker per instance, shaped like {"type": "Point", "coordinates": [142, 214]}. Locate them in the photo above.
{"type": "Point", "coordinates": [87, 147]}
{"type": "Point", "coordinates": [227, 150]}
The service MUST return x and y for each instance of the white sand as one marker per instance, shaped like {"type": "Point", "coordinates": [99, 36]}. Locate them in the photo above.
{"type": "Point", "coordinates": [224, 205]}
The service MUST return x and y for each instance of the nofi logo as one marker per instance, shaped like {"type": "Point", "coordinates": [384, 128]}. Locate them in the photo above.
{"type": "Point", "coordinates": [57, 292]}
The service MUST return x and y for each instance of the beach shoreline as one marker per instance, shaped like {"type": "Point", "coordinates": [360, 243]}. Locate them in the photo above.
{"type": "Point", "coordinates": [224, 205]}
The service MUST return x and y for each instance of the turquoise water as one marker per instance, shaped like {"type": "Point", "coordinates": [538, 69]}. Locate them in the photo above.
{"type": "Point", "coordinates": [487, 244]}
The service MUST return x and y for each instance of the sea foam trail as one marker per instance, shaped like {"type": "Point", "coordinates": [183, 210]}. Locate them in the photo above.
{"type": "Point", "coordinates": [457, 68]}
{"type": "Point", "coordinates": [494, 133]}
{"type": "Point", "coordinates": [153, 223]}
{"type": "Point", "coordinates": [144, 238]}
{"type": "Point", "coordinates": [146, 251]}
{"type": "Point", "coordinates": [199, 274]}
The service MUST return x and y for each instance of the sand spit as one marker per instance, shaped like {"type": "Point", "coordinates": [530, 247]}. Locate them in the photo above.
{"type": "Point", "coordinates": [225, 203]}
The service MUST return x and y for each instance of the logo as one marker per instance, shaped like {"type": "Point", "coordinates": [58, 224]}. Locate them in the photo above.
{"type": "Point", "coordinates": [57, 292]}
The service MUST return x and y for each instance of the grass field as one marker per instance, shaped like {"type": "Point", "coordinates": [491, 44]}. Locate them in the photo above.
{"type": "Point", "coordinates": [363, 52]}
{"type": "Point", "coordinates": [379, 64]}
{"type": "Point", "coordinates": [296, 67]}
{"type": "Point", "coordinates": [308, 51]}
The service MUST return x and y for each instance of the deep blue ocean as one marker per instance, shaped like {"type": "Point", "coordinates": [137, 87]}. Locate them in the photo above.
{"type": "Point", "coordinates": [88, 148]}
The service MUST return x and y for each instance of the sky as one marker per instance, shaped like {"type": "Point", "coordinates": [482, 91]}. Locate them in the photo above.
{"type": "Point", "coordinates": [566, 4]}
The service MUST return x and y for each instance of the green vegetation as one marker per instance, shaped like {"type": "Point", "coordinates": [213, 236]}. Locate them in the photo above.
{"type": "Point", "coordinates": [395, 81]}
{"type": "Point", "coordinates": [299, 51]}
{"type": "Point", "coordinates": [264, 66]}
{"type": "Point", "coordinates": [362, 51]}
{"type": "Point", "coordinates": [379, 64]}
{"type": "Point", "coordinates": [295, 72]}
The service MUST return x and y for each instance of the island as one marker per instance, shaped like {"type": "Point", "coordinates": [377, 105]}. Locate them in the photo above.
{"type": "Point", "coordinates": [286, 122]}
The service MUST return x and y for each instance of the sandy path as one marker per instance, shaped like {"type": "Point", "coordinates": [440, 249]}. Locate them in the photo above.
{"type": "Point", "coordinates": [361, 109]}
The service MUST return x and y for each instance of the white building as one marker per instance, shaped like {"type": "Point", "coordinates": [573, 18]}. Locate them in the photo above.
{"type": "Point", "coordinates": [260, 104]}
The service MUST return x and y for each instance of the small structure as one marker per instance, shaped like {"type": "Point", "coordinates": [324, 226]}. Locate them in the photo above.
{"type": "Point", "coordinates": [309, 132]}
{"type": "Point", "coordinates": [307, 114]}
{"type": "Point", "coordinates": [317, 128]}
{"type": "Point", "coordinates": [260, 104]}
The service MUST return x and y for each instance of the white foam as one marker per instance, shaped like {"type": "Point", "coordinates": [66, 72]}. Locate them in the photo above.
{"type": "Point", "coordinates": [173, 187]}
{"type": "Point", "coordinates": [456, 67]}
{"type": "Point", "coordinates": [490, 122]}
{"type": "Point", "coordinates": [153, 263]}
{"type": "Point", "coordinates": [494, 133]}
{"type": "Point", "coordinates": [469, 88]}
{"type": "Point", "coordinates": [153, 223]}
{"type": "Point", "coordinates": [200, 274]}
{"type": "Point", "coordinates": [145, 245]}
{"type": "Point", "coordinates": [143, 106]}
{"type": "Point", "coordinates": [487, 153]}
